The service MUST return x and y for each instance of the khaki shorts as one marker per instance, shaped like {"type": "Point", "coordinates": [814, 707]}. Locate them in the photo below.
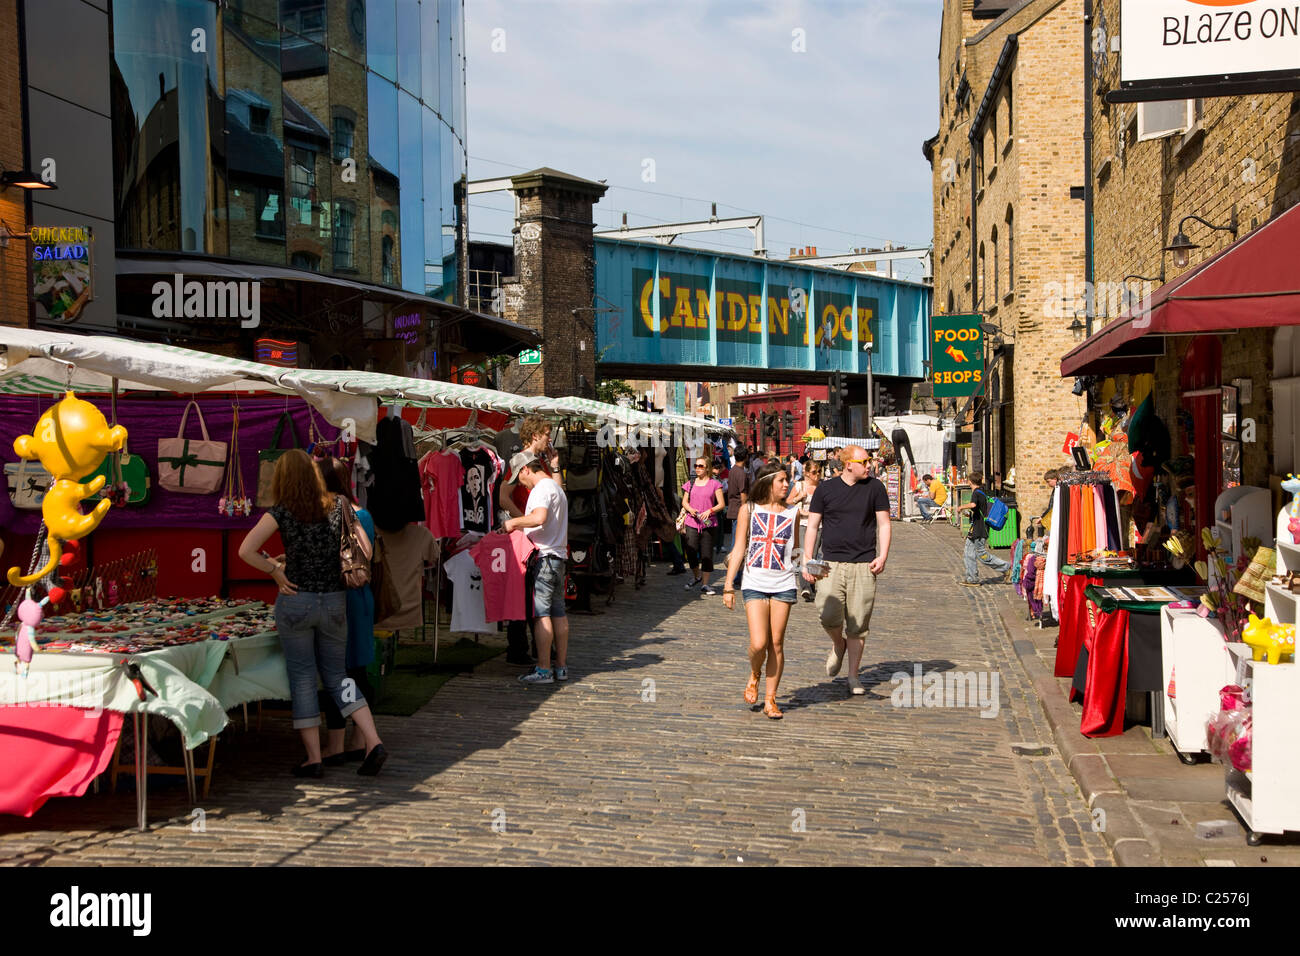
{"type": "Point", "coordinates": [846, 596]}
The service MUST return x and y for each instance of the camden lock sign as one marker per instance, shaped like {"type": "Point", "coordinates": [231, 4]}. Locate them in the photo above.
{"type": "Point", "coordinates": [956, 355]}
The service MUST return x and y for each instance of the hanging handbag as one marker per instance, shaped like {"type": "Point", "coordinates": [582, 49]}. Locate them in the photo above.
{"type": "Point", "coordinates": [127, 474]}
{"type": "Point", "coordinates": [387, 601]}
{"type": "Point", "coordinates": [28, 482]}
{"type": "Point", "coordinates": [266, 459]}
{"type": "Point", "coordinates": [355, 549]}
{"type": "Point", "coordinates": [188, 466]}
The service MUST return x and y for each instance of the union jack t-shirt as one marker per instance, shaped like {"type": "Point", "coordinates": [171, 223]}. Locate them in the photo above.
{"type": "Point", "coordinates": [769, 566]}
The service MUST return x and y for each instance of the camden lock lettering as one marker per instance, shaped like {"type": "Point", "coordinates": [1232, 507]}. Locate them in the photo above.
{"type": "Point", "coordinates": [685, 311]}
{"type": "Point", "coordinates": [241, 299]}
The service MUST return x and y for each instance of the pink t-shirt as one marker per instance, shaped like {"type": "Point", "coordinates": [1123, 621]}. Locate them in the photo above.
{"type": "Point", "coordinates": [702, 498]}
{"type": "Point", "coordinates": [502, 560]}
{"type": "Point", "coordinates": [441, 475]}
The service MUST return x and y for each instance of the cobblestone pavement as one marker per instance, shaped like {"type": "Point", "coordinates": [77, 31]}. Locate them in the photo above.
{"type": "Point", "coordinates": [649, 755]}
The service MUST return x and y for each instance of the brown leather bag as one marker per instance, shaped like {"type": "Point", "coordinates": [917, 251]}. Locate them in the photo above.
{"type": "Point", "coordinates": [355, 549]}
{"type": "Point", "coordinates": [387, 602]}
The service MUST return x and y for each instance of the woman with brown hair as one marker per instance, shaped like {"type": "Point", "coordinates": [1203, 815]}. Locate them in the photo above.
{"type": "Point", "coordinates": [802, 496]}
{"type": "Point", "coordinates": [311, 611]}
{"type": "Point", "coordinates": [702, 500]}
{"type": "Point", "coordinates": [767, 542]}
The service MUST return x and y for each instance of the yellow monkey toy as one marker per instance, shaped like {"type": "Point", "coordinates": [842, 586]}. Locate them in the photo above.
{"type": "Point", "coordinates": [71, 440]}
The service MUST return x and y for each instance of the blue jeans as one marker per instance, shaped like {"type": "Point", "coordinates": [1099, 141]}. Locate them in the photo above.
{"type": "Point", "coordinates": [976, 551]}
{"type": "Point", "coordinates": [313, 631]}
{"type": "Point", "coordinates": [925, 504]}
{"type": "Point", "coordinates": [548, 591]}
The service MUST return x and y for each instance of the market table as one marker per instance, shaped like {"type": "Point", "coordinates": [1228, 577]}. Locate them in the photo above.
{"type": "Point", "coordinates": [1121, 652]}
{"type": "Point", "coordinates": [195, 684]}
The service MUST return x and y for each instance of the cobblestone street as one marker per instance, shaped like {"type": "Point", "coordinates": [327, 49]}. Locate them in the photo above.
{"type": "Point", "coordinates": [613, 769]}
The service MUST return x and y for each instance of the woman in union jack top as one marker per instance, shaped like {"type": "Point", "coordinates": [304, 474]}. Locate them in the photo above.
{"type": "Point", "coordinates": [767, 541]}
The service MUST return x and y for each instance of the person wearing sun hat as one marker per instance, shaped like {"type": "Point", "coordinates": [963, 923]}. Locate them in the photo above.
{"type": "Point", "coordinates": [546, 522]}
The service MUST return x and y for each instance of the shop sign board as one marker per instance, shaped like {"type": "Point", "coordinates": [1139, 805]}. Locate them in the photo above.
{"type": "Point", "coordinates": [956, 355]}
{"type": "Point", "coordinates": [62, 281]}
{"type": "Point", "coordinates": [1228, 46]}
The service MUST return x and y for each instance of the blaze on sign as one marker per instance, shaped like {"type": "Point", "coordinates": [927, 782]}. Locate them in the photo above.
{"type": "Point", "coordinates": [956, 355]}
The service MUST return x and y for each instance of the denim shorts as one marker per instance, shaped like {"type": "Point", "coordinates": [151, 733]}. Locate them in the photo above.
{"type": "Point", "coordinates": [785, 597]}
{"type": "Point", "coordinates": [548, 590]}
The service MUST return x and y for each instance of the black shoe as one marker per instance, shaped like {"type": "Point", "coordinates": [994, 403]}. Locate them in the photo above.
{"type": "Point", "coordinates": [374, 761]}
{"type": "Point", "coordinates": [313, 770]}
{"type": "Point", "coordinates": [334, 760]}
{"type": "Point", "coordinates": [681, 570]}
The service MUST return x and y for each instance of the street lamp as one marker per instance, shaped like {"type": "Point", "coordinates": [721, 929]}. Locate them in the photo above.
{"type": "Point", "coordinates": [1077, 328]}
{"type": "Point", "coordinates": [1181, 246]}
{"type": "Point", "coordinates": [23, 179]}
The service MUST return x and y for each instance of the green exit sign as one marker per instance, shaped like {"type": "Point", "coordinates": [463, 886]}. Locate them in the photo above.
{"type": "Point", "coordinates": [530, 357]}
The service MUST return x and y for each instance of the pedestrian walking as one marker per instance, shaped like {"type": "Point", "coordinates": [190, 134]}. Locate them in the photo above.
{"type": "Point", "coordinates": [546, 522]}
{"type": "Point", "coordinates": [738, 484]}
{"type": "Point", "coordinates": [977, 541]}
{"type": "Point", "coordinates": [702, 502]}
{"type": "Point", "coordinates": [767, 539]}
{"type": "Point", "coordinates": [802, 496]}
{"type": "Point", "coordinates": [795, 469]}
{"type": "Point", "coordinates": [311, 611]}
{"type": "Point", "coordinates": [849, 517]}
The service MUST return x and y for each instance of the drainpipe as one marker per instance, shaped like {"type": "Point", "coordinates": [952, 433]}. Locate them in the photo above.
{"type": "Point", "coordinates": [1089, 268]}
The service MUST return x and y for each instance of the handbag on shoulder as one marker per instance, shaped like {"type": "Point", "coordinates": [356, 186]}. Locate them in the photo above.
{"type": "Point", "coordinates": [355, 549]}
{"type": "Point", "coordinates": [193, 467]}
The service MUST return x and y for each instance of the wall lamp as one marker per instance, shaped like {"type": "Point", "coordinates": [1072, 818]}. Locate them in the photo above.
{"type": "Point", "coordinates": [23, 179]}
{"type": "Point", "coordinates": [1181, 247]}
{"type": "Point", "coordinates": [1077, 328]}
{"type": "Point", "coordinates": [1129, 297]}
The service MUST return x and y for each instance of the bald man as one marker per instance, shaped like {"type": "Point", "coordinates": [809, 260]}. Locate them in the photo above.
{"type": "Point", "coordinates": [851, 512]}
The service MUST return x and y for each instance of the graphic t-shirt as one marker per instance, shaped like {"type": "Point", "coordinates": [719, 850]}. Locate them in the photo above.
{"type": "Point", "coordinates": [441, 477]}
{"type": "Point", "coordinates": [502, 560]}
{"type": "Point", "coordinates": [848, 528]}
{"type": "Point", "coordinates": [477, 495]}
{"type": "Point", "coordinates": [467, 596]}
{"type": "Point", "coordinates": [768, 563]}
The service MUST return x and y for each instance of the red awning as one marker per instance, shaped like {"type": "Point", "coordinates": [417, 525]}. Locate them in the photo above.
{"type": "Point", "coordinates": [1253, 283]}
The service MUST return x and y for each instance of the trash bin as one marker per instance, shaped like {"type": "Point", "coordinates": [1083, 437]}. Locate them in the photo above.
{"type": "Point", "coordinates": [1005, 537]}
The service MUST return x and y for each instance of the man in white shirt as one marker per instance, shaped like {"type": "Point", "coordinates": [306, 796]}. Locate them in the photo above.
{"type": "Point", "coordinates": [546, 522]}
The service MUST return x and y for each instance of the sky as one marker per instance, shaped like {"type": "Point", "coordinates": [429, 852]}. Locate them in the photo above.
{"type": "Point", "coordinates": [809, 112]}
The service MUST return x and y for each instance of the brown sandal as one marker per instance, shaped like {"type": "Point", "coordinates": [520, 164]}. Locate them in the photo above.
{"type": "Point", "coordinates": [770, 710]}
{"type": "Point", "coordinates": [751, 691]}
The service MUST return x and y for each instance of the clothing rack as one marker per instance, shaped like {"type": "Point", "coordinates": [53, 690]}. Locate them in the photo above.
{"type": "Point", "coordinates": [1084, 478]}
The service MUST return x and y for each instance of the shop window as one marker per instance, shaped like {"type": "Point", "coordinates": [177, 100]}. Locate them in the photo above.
{"type": "Point", "coordinates": [305, 260]}
{"type": "Point", "coordinates": [344, 227]}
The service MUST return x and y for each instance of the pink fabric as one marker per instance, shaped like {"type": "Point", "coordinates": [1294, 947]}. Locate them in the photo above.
{"type": "Point", "coordinates": [702, 497]}
{"type": "Point", "coordinates": [52, 752]}
{"type": "Point", "coordinates": [501, 561]}
{"type": "Point", "coordinates": [441, 475]}
{"type": "Point", "coordinates": [1099, 514]}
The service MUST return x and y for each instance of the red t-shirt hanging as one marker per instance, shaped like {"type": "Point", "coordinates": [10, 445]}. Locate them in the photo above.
{"type": "Point", "coordinates": [501, 561]}
{"type": "Point", "coordinates": [441, 475]}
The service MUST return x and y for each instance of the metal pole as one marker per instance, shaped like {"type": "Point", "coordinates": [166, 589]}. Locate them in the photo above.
{"type": "Point", "coordinates": [871, 396]}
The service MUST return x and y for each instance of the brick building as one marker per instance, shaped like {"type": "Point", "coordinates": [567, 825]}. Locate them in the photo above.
{"type": "Point", "coordinates": [14, 285]}
{"type": "Point", "coordinates": [1155, 164]}
{"type": "Point", "coordinates": [1008, 236]}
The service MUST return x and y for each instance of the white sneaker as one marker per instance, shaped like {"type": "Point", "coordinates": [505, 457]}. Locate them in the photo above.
{"type": "Point", "coordinates": [855, 686]}
{"type": "Point", "coordinates": [835, 661]}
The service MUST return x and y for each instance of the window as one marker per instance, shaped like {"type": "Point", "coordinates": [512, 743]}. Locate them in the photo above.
{"type": "Point", "coordinates": [270, 213]}
{"type": "Point", "coordinates": [259, 119]}
{"type": "Point", "coordinates": [387, 260]}
{"type": "Point", "coordinates": [1167, 118]}
{"type": "Point", "coordinates": [1010, 113]}
{"type": "Point", "coordinates": [994, 243]}
{"type": "Point", "coordinates": [343, 131]}
{"type": "Point", "coordinates": [993, 136]}
{"type": "Point", "coordinates": [1011, 250]}
{"type": "Point", "coordinates": [344, 220]}
{"type": "Point", "coordinates": [302, 182]}
{"type": "Point", "coordinates": [978, 155]}
{"type": "Point", "coordinates": [983, 279]}
{"type": "Point", "coordinates": [951, 303]}
{"type": "Point", "coordinates": [305, 260]}
{"type": "Point", "coordinates": [309, 22]}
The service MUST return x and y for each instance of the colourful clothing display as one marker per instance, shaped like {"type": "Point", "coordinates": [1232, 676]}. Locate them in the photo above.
{"type": "Point", "coordinates": [441, 477]}
{"type": "Point", "coordinates": [502, 560]}
{"type": "Point", "coordinates": [467, 608]}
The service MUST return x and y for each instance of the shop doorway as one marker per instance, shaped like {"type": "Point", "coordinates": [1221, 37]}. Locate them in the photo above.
{"type": "Point", "coordinates": [1199, 380]}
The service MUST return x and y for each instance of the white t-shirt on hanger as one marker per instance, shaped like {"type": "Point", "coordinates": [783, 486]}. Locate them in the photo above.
{"type": "Point", "coordinates": [467, 610]}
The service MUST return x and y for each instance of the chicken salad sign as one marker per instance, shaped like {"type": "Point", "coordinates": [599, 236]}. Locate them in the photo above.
{"type": "Point", "coordinates": [61, 270]}
{"type": "Point", "coordinates": [956, 355]}
{"type": "Point", "coordinates": [1168, 42]}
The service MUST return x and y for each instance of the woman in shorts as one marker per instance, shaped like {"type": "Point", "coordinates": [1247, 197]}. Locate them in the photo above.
{"type": "Point", "coordinates": [767, 536]}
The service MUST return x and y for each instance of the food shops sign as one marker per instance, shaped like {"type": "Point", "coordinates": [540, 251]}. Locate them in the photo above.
{"type": "Point", "coordinates": [61, 270]}
{"type": "Point", "coordinates": [1221, 47]}
{"type": "Point", "coordinates": [956, 355]}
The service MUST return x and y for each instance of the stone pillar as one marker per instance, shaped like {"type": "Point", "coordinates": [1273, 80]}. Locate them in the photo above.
{"type": "Point", "coordinates": [554, 276]}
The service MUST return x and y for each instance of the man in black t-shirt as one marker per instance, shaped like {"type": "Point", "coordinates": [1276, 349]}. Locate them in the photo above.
{"type": "Point", "coordinates": [852, 512]}
{"type": "Point", "coordinates": [977, 542]}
